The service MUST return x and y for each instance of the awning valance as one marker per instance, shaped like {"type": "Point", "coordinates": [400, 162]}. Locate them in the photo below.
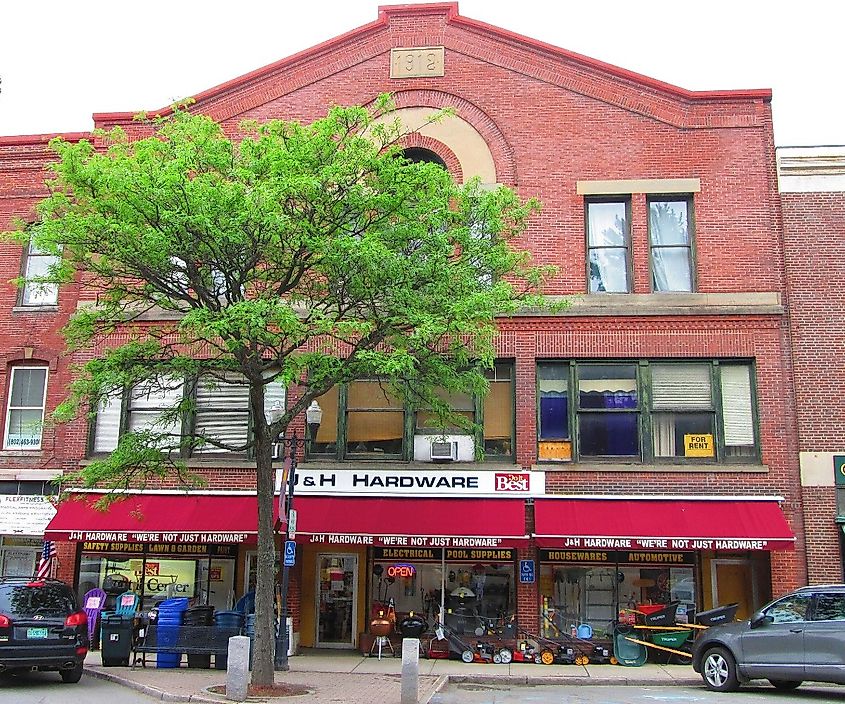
{"type": "Point", "coordinates": [419, 522]}
{"type": "Point", "coordinates": [151, 518]}
{"type": "Point", "coordinates": [661, 524]}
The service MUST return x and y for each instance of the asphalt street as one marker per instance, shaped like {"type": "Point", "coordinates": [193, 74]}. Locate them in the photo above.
{"type": "Point", "coordinates": [48, 688]}
{"type": "Point", "coordinates": [620, 694]}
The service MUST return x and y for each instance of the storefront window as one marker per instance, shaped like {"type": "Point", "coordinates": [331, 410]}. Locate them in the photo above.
{"type": "Point", "coordinates": [157, 578]}
{"type": "Point", "coordinates": [577, 594]}
{"type": "Point", "coordinates": [478, 597]}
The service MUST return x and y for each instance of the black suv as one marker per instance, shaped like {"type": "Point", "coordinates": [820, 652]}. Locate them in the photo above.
{"type": "Point", "coordinates": [798, 637]}
{"type": "Point", "coordinates": [41, 627]}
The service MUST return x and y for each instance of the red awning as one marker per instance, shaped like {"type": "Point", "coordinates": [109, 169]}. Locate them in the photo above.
{"type": "Point", "coordinates": [166, 518]}
{"type": "Point", "coordinates": [366, 520]}
{"type": "Point", "coordinates": [661, 524]}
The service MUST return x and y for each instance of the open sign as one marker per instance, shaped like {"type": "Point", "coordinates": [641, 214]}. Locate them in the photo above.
{"type": "Point", "coordinates": [401, 570]}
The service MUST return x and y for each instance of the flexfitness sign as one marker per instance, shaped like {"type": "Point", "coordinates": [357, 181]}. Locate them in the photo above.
{"type": "Point", "coordinates": [418, 482]}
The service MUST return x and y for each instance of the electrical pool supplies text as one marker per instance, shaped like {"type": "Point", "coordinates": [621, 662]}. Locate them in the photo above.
{"type": "Point", "coordinates": [421, 482]}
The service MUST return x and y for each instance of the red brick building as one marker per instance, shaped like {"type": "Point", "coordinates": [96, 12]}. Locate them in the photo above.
{"type": "Point", "coordinates": [640, 446]}
{"type": "Point", "coordinates": [812, 186]}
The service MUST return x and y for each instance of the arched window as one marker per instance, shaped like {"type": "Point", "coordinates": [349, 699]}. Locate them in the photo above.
{"type": "Point", "coordinates": [420, 155]}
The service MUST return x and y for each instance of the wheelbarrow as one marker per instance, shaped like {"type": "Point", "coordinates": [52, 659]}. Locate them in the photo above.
{"type": "Point", "coordinates": [626, 649]}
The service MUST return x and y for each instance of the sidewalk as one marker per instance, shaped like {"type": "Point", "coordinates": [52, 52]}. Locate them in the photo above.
{"type": "Point", "coordinates": [347, 677]}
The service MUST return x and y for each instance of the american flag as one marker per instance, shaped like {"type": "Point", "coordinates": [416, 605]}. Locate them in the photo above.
{"type": "Point", "coordinates": [48, 552]}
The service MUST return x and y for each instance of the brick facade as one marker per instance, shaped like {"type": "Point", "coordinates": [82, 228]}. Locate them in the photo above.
{"type": "Point", "coordinates": [550, 120]}
{"type": "Point", "coordinates": [812, 182]}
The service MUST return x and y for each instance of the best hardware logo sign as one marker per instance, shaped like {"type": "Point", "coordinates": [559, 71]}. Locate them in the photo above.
{"type": "Point", "coordinates": [512, 482]}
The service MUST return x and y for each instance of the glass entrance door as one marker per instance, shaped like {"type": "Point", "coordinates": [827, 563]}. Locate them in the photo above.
{"type": "Point", "coordinates": [337, 584]}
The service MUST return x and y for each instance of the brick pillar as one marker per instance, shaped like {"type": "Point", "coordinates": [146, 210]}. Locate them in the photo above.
{"type": "Point", "coordinates": [822, 535]}
{"type": "Point", "coordinates": [528, 595]}
{"type": "Point", "coordinates": [526, 410]}
{"type": "Point", "coordinates": [65, 567]}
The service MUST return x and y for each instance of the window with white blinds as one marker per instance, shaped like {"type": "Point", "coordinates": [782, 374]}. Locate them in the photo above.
{"type": "Point", "coordinates": [221, 413]}
{"type": "Point", "coordinates": [148, 401]}
{"type": "Point", "coordinates": [681, 386]}
{"type": "Point", "coordinates": [107, 425]}
{"type": "Point", "coordinates": [737, 408]}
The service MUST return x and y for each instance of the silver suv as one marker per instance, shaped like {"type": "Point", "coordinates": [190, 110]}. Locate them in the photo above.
{"type": "Point", "coordinates": [798, 637]}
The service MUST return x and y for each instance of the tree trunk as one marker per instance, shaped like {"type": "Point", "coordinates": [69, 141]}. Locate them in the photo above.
{"type": "Point", "coordinates": [262, 662]}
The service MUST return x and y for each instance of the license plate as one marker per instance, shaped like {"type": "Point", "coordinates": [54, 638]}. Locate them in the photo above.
{"type": "Point", "coordinates": [36, 633]}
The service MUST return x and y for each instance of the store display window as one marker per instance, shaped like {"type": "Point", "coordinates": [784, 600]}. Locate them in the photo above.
{"type": "Point", "coordinates": [157, 578]}
{"type": "Point", "coordinates": [477, 597]}
{"type": "Point", "coordinates": [583, 594]}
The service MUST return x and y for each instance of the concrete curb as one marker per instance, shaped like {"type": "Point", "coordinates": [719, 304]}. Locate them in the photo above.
{"type": "Point", "coordinates": [579, 680]}
{"type": "Point", "coordinates": [442, 682]}
{"type": "Point", "coordinates": [152, 692]}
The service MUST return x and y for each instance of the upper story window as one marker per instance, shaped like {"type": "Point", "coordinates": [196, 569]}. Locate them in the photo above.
{"type": "Point", "coordinates": [646, 411]}
{"type": "Point", "coordinates": [37, 264]}
{"type": "Point", "coordinates": [421, 155]}
{"type": "Point", "coordinates": [363, 420]}
{"type": "Point", "coordinates": [375, 420]}
{"type": "Point", "coordinates": [25, 408]}
{"type": "Point", "coordinates": [608, 410]}
{"type": "Point", "coordinates": [220, 413]}
{"type": "Point", "coordinates": [670, 241]}
{"type": "Point", "coordinates": [498, 412]}
{"type": "Point", "coordinates": [23, 487]}
{"type": "Point", "coordinates": [608, 246]}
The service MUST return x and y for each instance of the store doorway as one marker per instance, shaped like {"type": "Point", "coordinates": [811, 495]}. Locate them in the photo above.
{"type": "Point", "coordinates": [337, 585]}
{"type": "Point", "coordinates": [733, 582]}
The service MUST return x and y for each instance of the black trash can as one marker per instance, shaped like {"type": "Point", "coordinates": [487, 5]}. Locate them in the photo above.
{"type": "Point", "coordinates": [116, 639]}
{"type": "Point", "coordinates": [228, 624]}
{"type": "Point", "coordinates": [199, 616]}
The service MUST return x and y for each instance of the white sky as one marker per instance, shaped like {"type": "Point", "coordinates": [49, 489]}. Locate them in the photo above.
{"type": "Point", "coordinates": [62, 61]}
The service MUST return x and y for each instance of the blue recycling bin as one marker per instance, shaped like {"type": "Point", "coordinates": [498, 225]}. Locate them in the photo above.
{"type": "Point", "coordinates": [249, 631]}
{"type": "Point", "coordinates": [231, 623]}
{"type": "Point", "coordinates": [170, 614]}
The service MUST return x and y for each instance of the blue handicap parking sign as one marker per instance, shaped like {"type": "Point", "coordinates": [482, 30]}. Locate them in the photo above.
{"type": "Point", "coordinates": [526, 571]}
{"type": "Point", "coordinates": [290, 553]}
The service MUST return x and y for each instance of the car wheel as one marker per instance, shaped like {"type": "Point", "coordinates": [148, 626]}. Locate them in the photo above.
{"type": "Point", "coordinates": [718, 669]}
{"type": "Point", "coordinates": [72, 676]}
{"type": "Point", "coordinates": [785, 685]}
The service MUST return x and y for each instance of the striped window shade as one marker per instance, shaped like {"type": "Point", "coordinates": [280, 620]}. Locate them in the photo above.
{"type": "Point", "coordinates": [222, 411]}
{"type": "Point", "coordinates": [737, 410]}
{"type": "Point", "coordinates": [681, 387]}
{"type": "Point", "coordinates": [107, 428]}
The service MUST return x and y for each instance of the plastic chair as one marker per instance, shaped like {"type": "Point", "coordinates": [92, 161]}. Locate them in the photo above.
{"type": "Point", "coordinates": [127, 603]}
{"type": "Point", "coordinates": [92, 604]}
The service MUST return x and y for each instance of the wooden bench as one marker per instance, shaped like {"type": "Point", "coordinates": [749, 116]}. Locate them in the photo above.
{"type": "Point", "coordinates": [190, 640]}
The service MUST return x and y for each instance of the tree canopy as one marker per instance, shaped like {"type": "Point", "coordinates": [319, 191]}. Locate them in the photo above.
{"type": "Point", "coordinates": [306, 254]}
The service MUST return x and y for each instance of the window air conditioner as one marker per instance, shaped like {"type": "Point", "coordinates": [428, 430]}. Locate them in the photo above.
{"type": "Point", "coordinates": [444, 451]}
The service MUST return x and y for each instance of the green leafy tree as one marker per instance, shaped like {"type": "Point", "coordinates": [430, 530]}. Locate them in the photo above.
{"type": "Point", "coordinates": [305, 254]}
